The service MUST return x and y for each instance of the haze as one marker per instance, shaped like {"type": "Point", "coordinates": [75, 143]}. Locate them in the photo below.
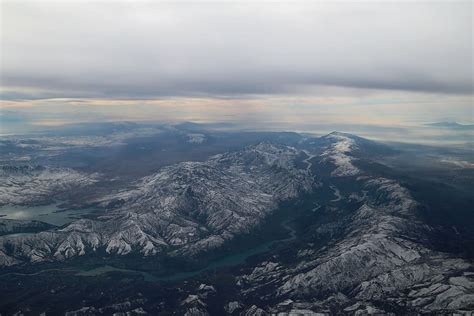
{"type": "Point", "coordinates": [265, 63]}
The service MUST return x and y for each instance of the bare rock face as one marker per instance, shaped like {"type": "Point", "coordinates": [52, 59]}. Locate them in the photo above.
{"type": "Point", "coordinates": [194, 206]}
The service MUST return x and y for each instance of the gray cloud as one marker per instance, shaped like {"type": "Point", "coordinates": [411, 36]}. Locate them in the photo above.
{"type": "Point", "coordinates": [147, 49]}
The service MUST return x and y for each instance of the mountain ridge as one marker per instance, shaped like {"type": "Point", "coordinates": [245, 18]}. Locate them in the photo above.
{"type": "Point", "coordinates": [358, 244]}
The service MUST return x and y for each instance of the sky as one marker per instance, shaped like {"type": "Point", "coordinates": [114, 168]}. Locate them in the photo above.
{"type": "Point", "coordinates": [268, 62]}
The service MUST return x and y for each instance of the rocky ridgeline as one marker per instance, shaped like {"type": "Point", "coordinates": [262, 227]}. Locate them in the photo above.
{"type": "Point", "coordinates": [379, 265]}
{"type": "Point", "coordinates": [191, 206]}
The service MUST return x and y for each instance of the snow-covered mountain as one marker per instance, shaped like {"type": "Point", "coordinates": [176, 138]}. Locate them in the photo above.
{"type": "Point", "coordinates": [195, 206]}
{"type": "Point", "coordinates": [381, 259]}
{"type": "Point", "coordinates": [364, 251]}
{"type": "Point", "coordinates": [21, 185]}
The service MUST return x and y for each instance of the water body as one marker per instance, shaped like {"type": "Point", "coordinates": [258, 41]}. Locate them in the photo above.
{"type": "Point", "coordinates": [227, 261]}
{"type": "Point", "coordinates": [35, 273]}
{"type": "Point", "coordinates": [106, 269]}
{"type": "Point", "coordinates": [51, 214]}
{"type": "Point", "coordinates": [235, 259]}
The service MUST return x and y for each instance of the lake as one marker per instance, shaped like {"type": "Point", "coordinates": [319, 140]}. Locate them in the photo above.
{"type": "Point", "coordinates": [51, 214]}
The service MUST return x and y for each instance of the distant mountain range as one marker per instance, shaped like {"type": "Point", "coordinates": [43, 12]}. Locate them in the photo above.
{"type": "Point", "coordinates": [452, 125]}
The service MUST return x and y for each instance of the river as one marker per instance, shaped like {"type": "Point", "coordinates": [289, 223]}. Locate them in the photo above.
{"type": "Point", "coordinates": [227, 261]}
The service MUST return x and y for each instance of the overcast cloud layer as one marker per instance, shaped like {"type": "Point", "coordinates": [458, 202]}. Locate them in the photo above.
{"type": "Point", "coordinates": [151, 49]}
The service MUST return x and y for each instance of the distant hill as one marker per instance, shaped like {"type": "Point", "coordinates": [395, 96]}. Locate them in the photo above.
{"type": "Point", "coordinates": [452, 125]}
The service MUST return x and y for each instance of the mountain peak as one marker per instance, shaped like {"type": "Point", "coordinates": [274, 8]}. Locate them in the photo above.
{"type": "Point", "coordinates": [341, 135]}
{"type": "Point", "coordinates": [338, 133]}
{"type": "Point", "coordinates": [355, 143]}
